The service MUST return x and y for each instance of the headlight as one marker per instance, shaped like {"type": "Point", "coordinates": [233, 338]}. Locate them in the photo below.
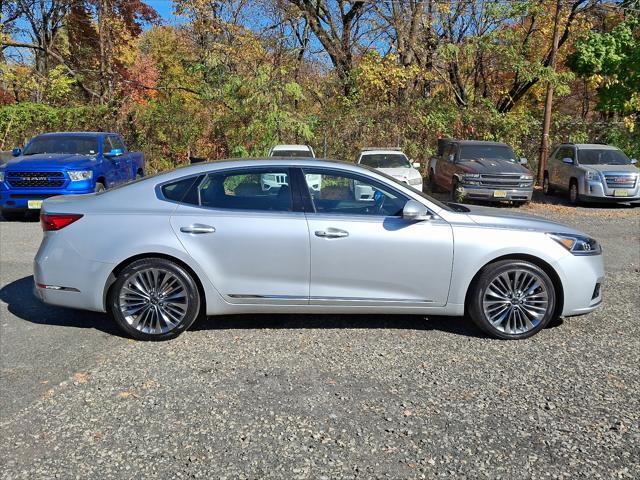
{"type": "Point", "coordinates": [1, 175]}
{"type": "Point", "coordinates": [577, 244]}
{"type": "Point", "coordinates": [591, 175]}
{"type": "Point", "coordinates": [526, 177]}
{"type": "Point", "coordinates": [470, 178]}
{"type": "Point", "coordinates": [415, 181]}
{"type": "Point", "coordinates": [79, 175]}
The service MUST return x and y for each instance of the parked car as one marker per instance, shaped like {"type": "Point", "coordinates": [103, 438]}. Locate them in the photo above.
{"type": "Point", "coordinates": [69, 163]}
{"type": "Point", "coordinates": [478, 170]}
{"type": "Point", "coordinates": [206, 239]}
{"type": "Point", "coordinates": [297, 151]}
{"type": "Point", "coordinates": [392, 162]}
{"type": "Point", "coordinates": [595, 172]}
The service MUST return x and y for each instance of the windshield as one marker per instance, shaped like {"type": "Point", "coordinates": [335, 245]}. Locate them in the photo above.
{"type": "Point", "coordinates": [491, 152]}
{"type": "Point", "coordinates": [602, 157]}
{"type": "Point", "coordinates": [385, 160]}
{"type": "Point", "coordinates": [292, 153]}
{"type": "Point", "coordinates": [66, 144]}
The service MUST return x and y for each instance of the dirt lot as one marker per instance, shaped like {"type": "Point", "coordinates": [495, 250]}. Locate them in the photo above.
{"type": "Point", "coordinates": [324, 396]}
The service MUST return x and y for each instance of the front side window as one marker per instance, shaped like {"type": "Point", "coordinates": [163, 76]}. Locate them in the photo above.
{"type": "Point", "coordinates": [114, 142]}
{"type": "Point", "coordinates": [603, 157]}
{"type": "Point", "coordinates": [347, 194]}
{"type": "Point", "coordinates": [63, 144]}
{"type": "Point", "coordinates": [566, 152]}
{"type": "Point", "coordinates": [385, 160]}
{"type": "Point", "coordinates": [247, 190]}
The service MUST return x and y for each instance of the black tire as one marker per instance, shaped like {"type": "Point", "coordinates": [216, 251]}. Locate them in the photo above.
{"type": "Point", "coordinates": [433, 186]}
{"type": "Point", "coordinates": [479, 292]}
{"type": "Point", "coordinates": [100, 187]}
{"type": "Point", "coordinates": [574, 193]}
{"type": "Point", "coordinates": [10, 216]}
{"type": "Point", "coordinates": [139, 175]}
{"type": "Point", "coordinates": [142, 326]}
{"type": "Point", "coordinates": [519, 204]}
{"type": "Point", "coordinates": [453, 195]}
{"type": "Point", "coordinates": [547, 189]}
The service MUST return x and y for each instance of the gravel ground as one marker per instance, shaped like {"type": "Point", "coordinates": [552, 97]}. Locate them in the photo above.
{"type": "Point", "coordinates": [341, 396]}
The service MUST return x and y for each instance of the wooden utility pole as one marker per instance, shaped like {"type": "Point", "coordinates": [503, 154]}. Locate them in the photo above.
{"type": "Point", "coordinates": [548, 103]}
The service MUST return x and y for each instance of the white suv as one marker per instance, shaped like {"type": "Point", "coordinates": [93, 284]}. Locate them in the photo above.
{"type": "Point", "coordinates": [394, 163]}
{"type": "Point", "coordinates": [271, 181]}
{"type": "Point", "coordinates": [300, 151]}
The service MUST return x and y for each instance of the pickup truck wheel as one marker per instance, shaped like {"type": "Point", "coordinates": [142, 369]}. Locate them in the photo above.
{"type": "Point", "coordinates": [574, 195]}
{"type": "Point", "coordinates": [546, 186]}
{"type": "Point", "coordinates": [99, 187]}
{"type": "Point", "coordinates": [512, 299]}
{"type": "Point", "coordinates": [454, 195]}
{"type": "Point", "coordinates": [154, 299]}
{"type": "Point", "coordinates": [10, 216]}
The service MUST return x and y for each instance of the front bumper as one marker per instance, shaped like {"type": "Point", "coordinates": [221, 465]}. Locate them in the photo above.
{"type": "Point", "coordinates": [494, 194]}
{"type": "Point", "coordinates": [17, 199]}
{"type": "Point", "coordinates": [596, 191]}
{"type": "Point", "coordinates": [582, 280]}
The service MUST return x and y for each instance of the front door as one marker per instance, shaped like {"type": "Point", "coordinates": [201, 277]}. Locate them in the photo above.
{"type": "Point", "coordinates": [244, 233]}
{"type": "Point", "coordinates": [364, 253]}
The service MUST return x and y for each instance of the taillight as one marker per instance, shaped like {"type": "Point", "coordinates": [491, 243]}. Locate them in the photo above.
{"type": "Point", "coordinates": [57, 221]}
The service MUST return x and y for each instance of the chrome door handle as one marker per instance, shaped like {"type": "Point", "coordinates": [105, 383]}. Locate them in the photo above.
{"type": "Point", "coordinates": [332, 233]}
{"type": "Point", "coordinates": [198, 228]}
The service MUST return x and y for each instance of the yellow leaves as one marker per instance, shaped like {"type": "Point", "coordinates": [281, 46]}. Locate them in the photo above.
{"type": "Point", "coordinates": [384, 76]}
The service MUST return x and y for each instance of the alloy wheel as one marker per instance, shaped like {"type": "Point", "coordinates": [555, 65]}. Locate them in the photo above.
{"type": "Point", "coordinates": [516, 301]}
{"type": "Point", "coordinates": [154, 301]}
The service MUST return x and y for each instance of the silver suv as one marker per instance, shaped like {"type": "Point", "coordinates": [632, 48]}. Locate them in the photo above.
{"type": "Point", "coordinates": [593, 172]}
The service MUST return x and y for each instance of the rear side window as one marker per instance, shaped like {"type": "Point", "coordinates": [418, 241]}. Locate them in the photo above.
{"type": "Point", "coordinates": [183, 191]}
{"type": "Point", "coordinates": [247, 190]}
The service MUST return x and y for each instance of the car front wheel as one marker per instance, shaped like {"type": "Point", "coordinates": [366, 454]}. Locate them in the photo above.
{"type": "Point", "coordinates": [154, 299]}
{"type": "Point", "coordinates": [512, 299]}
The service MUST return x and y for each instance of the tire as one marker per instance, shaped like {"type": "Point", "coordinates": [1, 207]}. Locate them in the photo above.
{"type": "Point", "coordinates": [546, 186]}
{"type": "Point", "coordinates": [99, 187]}
{"type": "Point", "coordinates": [150, 315]}
{"type": "Point", "coordinates": [496, 293]}
{"type": "Point", "coordinates": [433, 186]}
{"type": "Point", "coordinates": [519, 204]}
{"type": "Point", "coordinates": [574, 195]}
{"type": "Point", "coordinates": [453, 196]}
{"type": "Point", "coordinates": [10, 216]}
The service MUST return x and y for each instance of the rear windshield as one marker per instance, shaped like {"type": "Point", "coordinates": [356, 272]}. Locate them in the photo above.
{"type": "Point", "coordinates": [66, 144]}
{"type": "Point", "coordinates": [491, 152]}
{"type": "Point", "coordinates": [602, 157]}
{"type": "Point", "coordinates": [385, 160]}
{"type": "Point", "coordinates": [292, 153]}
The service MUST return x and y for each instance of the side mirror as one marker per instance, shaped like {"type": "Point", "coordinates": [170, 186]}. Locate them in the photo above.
{"type": "Point", "coordinates": [523, 161]}
{"type": "Point", "coordinates": [16, 152]}
{"type": "Point", "coordinates": [568, 161]}
{"type": "Point", "coordinates": [114, 152]}
{"type": "Point", "coordinates": [452, 157]}
{"type": "Point", "coordinates": [633, 161]}
{"type": "Point", "coordinates": [415, 211]}
{"type": "Point", "coordinates": [415, 164]}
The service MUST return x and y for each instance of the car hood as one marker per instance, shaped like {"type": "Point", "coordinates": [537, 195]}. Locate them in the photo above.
{"type": "Point", "coordinates": [401, 172]}
{"type": "Point", "coordinates": [47, 161]}
{"type": "Point", "coordinates": [488, 165]}
{"type": "Point", "coordinates": [508, 219]}
{"type": "Point", "coordinates": [613, 168]}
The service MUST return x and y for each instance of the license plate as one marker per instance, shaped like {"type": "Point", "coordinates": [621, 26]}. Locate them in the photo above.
{"type": "Point", "coordinates": [620, 193]}
{"type": "Point", "coordinates": [500, 194]}
{"type": "Point", "coordinates": [35, 204]}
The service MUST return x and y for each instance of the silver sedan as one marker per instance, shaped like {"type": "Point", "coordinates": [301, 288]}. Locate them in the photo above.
{"type": "Point", "coordinates": [306, 236]}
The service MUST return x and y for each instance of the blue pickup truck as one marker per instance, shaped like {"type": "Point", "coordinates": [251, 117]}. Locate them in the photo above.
{"type": "Point", "coordinates": [68, 163]}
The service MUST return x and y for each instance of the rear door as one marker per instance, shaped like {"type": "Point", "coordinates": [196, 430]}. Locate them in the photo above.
{"type": "Point", "coordinates": [362, 251]}
{"type": "Point", "coordinates": [251, 238]}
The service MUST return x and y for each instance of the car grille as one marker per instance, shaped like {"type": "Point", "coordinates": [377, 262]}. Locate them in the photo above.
{"type": "Point", "coordinates": [36, 179]}
{"type": "Point", "coordinates": [503, 180]}
{"type": "Point", "coordinates": [621, 180]}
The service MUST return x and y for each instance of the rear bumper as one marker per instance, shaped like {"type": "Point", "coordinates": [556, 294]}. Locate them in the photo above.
{"type": "Point", "coordinates": [496, 195]}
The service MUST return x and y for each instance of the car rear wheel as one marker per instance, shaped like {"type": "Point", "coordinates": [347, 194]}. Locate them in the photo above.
{"type": "Point", "coordinates": [154, 299]}
{"type": "Point", "coordinates": [512, 299]}
{"type": "Point", "coordinates": [546, 186]}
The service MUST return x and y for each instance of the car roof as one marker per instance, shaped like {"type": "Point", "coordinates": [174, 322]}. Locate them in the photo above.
{"type": "Point", "coordinates": [371, 151]}
{"type": "Point", "coordinates": [477, 142]}
{"type": "Point", "coordinates": [591, 146]}
{"type": "Point", "coordinates": [79, 134]}
{"type": "Point", "coordinates": [292, 147]}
